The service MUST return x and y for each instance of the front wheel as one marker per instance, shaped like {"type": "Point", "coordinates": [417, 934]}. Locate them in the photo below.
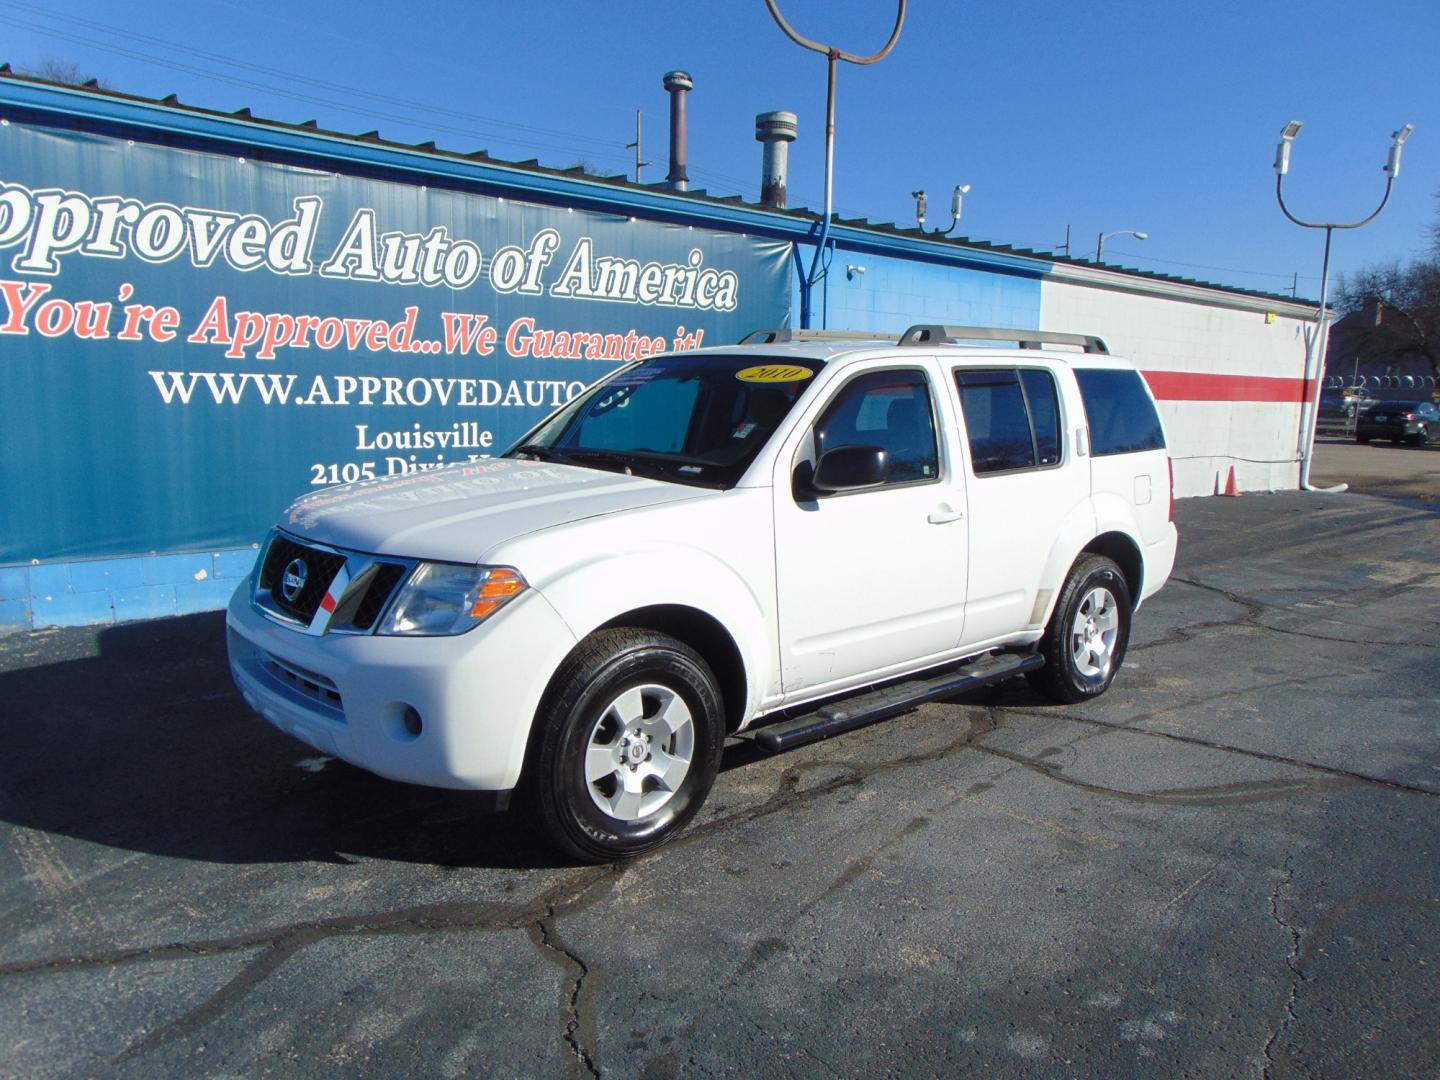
{"type": "Point", "coordinates": [629, 745]}
{"type": "Point", "coordinates": [1085, 642]}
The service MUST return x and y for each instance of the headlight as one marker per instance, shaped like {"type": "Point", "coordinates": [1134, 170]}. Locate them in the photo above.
{"type": "Point", "coordinates": [441, 598]}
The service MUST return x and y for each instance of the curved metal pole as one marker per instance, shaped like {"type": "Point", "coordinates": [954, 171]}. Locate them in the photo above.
{"type": "Point", "coordinates": [1321, 345]}
{"type": "Point", "coordinates": [832, 54]}
{"type": "Point", "coordinates": [815, 46]}
{"type": "Point", "coordinates": [1280, 198]}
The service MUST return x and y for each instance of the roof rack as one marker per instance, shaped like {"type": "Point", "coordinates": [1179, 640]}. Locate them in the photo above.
{"type": "Point", "coordinates": [782, 334]}
{"type": "Point", "coordinates": [935, 334]}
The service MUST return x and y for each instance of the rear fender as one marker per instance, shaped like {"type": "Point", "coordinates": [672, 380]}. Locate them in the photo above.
{"type": "Point", "coordinates": [1077, 530]}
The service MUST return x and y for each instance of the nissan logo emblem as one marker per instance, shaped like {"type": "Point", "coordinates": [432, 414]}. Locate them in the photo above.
{"type": "Point", "coordinates": [293, 580]}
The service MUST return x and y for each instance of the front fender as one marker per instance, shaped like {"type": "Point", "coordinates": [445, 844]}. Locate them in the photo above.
{"type": "Point", "coordinates": [589, 594]}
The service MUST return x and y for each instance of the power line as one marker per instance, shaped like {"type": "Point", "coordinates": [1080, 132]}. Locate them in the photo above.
{"type": "Point", "coordinates": [1221, 269]}
{"type": "Point", "coordinates": [602, 148]}
{"type": "Point", "coordinates": [323, 84]}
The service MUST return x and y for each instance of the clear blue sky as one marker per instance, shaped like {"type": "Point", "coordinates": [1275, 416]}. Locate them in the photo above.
{"type": "Point", "coordinates": [1157, 115]}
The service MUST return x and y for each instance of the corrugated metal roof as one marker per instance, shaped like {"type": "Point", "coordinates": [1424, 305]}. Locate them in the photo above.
{"type": "Point", "coordinates": [880, 231]}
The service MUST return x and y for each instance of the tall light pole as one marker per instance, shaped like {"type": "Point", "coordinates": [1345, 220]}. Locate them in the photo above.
{"type": "Point", "coordinates": [832, 54]}
{"type": "Point", "coordinates": [1100, 245]}
{"type": "Point", "coordinates": [1315, 354]}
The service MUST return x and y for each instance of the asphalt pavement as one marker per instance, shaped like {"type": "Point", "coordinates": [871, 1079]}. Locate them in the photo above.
{"type": "Point", "coordinates": [1229, 865]}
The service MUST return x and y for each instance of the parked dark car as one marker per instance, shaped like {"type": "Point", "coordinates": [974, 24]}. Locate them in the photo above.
{"type": "Point", "coordinates": [1407, 421]}
{"type": "Point", "coordinates": [1343, 405]}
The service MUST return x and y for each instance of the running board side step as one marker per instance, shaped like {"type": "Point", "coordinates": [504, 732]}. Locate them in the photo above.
{"type": "Point", "coordinates": [865, 709]}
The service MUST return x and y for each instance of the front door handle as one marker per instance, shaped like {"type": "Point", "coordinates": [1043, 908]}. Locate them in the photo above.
{"type": "Point", "coordinates": [942, 515]}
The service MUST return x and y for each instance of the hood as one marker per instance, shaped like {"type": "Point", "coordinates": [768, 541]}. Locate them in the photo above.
{"type": "Point", "coordinates": [457, 513]}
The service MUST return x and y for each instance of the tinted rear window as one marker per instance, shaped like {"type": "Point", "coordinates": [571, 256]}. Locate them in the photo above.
{"type": "Point", "coordinates": [1122, 416]}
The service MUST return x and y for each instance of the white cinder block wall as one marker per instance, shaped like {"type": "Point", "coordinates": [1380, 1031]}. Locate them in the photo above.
{"type": "Point", "coordinates": [1227, 369]}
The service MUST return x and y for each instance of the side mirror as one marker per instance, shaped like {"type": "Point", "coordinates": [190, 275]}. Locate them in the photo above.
{"type": "Point", "coordinates": [850, 468]}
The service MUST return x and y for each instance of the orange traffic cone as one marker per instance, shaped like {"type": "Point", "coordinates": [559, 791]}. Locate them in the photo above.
{"type": "Point", "coordinates": [1231, 488]}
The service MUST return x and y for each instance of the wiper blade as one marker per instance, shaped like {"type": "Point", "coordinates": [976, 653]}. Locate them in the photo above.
{"type": "Point", "coordinates": [618, 458]}
{"type": "Point", "coordinates": [542, 453]}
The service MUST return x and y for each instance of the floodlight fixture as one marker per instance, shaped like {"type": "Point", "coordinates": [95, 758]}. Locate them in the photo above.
{"type": "Point", "coordinates": [1392, 164]}
{"type": "Point", "coordinates": [1282, 151]}
{"type": "Point", "coordinates": [922, 203]}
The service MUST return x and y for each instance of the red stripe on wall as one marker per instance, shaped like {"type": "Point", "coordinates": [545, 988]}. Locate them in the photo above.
{"type": "Point", "coordinates": [1195, 386]}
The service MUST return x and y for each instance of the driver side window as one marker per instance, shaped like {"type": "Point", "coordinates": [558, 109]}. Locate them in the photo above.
{"type": "Point", "coordinates": [891, 410]}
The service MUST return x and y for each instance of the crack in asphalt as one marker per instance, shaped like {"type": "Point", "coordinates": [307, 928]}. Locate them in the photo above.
{"type": "Point", "coordinates": [543, 934]}
{"type": "Point", "coordinates": [1242, 793]}
{"type": "Point", "coordinates": [572, 893]}
{"type": "Point", "coordinates": [1297, 976]}
{"type": "Point", "coordinates": [1129, 728]}
{"type": "Point", "coordinates": [1256, 608]}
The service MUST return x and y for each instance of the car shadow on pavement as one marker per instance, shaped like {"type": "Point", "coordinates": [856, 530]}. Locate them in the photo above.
{"type": "Point", "coordinates": [143, 744]}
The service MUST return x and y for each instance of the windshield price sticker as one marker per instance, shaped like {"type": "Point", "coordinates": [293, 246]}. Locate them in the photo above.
{"type": "Point", "coordinates": [774, 373]}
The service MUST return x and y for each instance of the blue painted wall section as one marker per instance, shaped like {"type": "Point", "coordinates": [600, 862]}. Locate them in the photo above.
{"type": "Point", "coordinates": [117, 590]}
{"type": "Point", "coordinates": [893, 294]}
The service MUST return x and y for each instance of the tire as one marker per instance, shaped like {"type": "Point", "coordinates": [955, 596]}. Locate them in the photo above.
{"type": "Point", "coordinates": [1420, 438]}
{"type": "Point", "coordinates": [1363, 440]}
{"type": "Point", "coordinates": [1080, 665]}
{"type": "Point", "coordinates": [629, 744]}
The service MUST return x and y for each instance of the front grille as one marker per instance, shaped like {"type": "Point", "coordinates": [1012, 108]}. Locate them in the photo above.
{"type": "Point", "coordinates": [307, 683]}
{"type": "Point", "coordinates": [321, 567]}
{"type": "Point", "coordinates": [377, 595]}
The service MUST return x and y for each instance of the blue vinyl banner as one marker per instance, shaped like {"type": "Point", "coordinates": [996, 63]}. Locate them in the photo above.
{"type": "Point", "coordinates": [188, 340]}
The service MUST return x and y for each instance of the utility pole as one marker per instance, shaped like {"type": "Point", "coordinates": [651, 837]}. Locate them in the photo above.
{"type": "Point", "coordinates": [636, 145]}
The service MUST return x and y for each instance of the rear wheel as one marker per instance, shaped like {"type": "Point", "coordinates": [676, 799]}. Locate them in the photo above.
{"type": "Point", "coordinates": [630, 743]}
{"type": "Point", "coordinates": [1420, 438]}
{"type": "Point", "coordinates": [1084, 644]}
{"type": "Point", "coordinates": [1362, 439]}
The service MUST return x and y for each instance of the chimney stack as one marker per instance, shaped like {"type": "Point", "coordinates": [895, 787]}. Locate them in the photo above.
{"type": "Point", "coordinates": [776, 130]}
{"type": "Point", "coordinates": [677, 85]}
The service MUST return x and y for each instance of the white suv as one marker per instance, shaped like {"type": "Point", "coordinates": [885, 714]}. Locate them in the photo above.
{"type": "Point", "coordinates": [797, 535]}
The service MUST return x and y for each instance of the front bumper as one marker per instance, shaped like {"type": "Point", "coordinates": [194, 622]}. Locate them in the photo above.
{"type": "Point", "coordinates": [476, 694]}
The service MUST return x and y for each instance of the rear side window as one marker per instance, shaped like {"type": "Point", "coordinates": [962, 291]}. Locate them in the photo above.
{"type": "Point", "coordinates": [1122, 417]}
{"type": "Point", "coordinates": [1012, 419]}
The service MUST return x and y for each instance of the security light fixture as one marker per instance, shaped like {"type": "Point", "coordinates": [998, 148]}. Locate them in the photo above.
{"type": "Point", "coordinates": [1392, 164]}
{"type": "Point", "coordinates": [1282, 151]}
{"type": "Point", "coordinates": [852, 272]}
{"type": "Point", "coordinates": [957, 203]}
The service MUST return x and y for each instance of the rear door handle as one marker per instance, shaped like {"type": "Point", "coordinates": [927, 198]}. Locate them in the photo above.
{"type": "Point", "coordinates": [942, 515]}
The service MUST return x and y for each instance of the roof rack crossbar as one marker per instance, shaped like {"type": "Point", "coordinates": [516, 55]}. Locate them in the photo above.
{"type": "Point", "coordinates": [780, 335]}
{"type": "Point", "coordinates": [936, 334]}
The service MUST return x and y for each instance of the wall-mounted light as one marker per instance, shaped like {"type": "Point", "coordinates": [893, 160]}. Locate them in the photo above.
{"type": "Point", "coordinates": [852, 272]}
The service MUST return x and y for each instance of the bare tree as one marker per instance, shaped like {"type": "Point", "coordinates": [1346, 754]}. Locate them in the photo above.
{"type": "Point", "coordinates": [1403, 302]}
{"type": "Point", "coordinates": [63, 71]}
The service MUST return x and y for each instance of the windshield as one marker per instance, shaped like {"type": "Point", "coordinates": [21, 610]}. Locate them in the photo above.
{"type": "Point", "coordinates": [688, 418]}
